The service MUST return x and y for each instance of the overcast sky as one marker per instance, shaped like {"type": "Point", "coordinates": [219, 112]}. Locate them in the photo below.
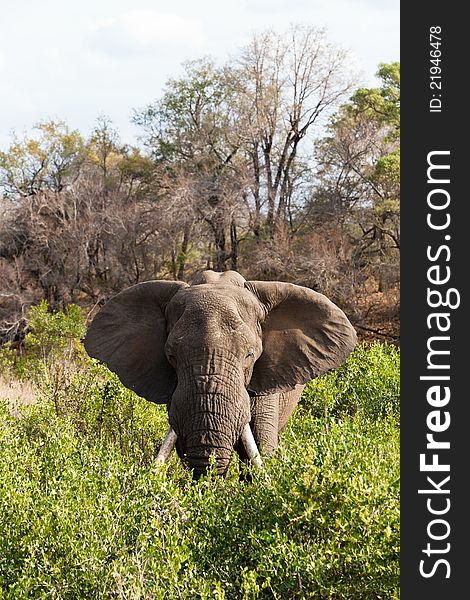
{"type": "Point", "coordinates": [75, 60]}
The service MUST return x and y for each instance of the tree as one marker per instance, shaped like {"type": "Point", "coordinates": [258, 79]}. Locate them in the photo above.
{"type": "Point", "coordinates": [365, 148]}
{"type": "Point", "coordinates": [358, 186]}
{"type": "Point", "coordinates": [190, 134]}
{"type": "Point", "coordinates": [382, 107]}
{"type": "Point", "coordinates": [287, 83]}
{"type": "Point", "coordinates": [105, 150]}
{"type": "Point", "coordinates": [236, 132]}
{"type": "Point", "coordinates": [50, 160]}
{"type": "Point", "coordinates": [382, 104]}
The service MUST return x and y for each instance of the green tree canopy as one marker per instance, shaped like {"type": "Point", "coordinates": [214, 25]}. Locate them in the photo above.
{"type": "Point", "coordinates": [48, 160]}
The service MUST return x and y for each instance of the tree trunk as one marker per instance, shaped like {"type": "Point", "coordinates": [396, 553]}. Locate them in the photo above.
{"type": "Point", "coordinates": [220, 253]}
{"type": "Point", "coordinates": [174, 267]}
{"type": "Point", "coordinates": [234, 245]}
{"type": "Point", "coordinates": [256, 223]}
{"type": "Point", "coordinates": [217, 223]}
{"type": "Point", "coordinates": [182, 256]}
{"type": "Point", "coordinates": [271, 188]}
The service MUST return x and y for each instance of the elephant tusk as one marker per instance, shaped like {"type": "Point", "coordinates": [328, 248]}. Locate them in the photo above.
{"type": "Point", "coordinates": [250, 446]}
{"type": "Point", "coordinates": [167, 446]}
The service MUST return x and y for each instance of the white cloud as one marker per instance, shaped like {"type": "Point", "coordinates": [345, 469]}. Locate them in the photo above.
{"type": "Point", "coordinates": [147, 31]}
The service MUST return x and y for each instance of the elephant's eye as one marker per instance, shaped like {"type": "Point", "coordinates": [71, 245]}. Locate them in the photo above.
{"type": "Point", "coordinates": [250, 354]}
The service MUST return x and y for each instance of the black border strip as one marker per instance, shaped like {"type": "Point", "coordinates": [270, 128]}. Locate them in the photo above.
{"type": "Point", "coordinates": [423, 132]}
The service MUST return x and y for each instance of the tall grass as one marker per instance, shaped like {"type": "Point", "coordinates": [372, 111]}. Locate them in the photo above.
{"type": "Point", "coordinates": [85, 513]}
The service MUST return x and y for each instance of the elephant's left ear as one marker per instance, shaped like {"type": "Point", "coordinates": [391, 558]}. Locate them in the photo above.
{"type": "Point", "coordinates": [304, 335]}
{"type": "Point", "coordinates": [129, 335]}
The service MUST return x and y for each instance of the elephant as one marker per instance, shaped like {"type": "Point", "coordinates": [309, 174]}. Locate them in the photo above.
{"type": "Point", "coordinates": [228, 357]}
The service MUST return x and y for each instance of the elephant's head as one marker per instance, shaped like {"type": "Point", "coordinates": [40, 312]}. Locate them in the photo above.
{"type": "Point", "coordinates": [205, 349]}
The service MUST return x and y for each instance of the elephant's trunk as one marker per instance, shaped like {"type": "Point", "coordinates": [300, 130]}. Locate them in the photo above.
{"type": "Point", "coordinates": [209, 408]}
{"type": "Point", "coordinates": [205, 443]}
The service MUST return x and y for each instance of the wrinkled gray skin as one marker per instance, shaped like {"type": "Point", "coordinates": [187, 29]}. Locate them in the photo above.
{"type": "Point", "coordinates": [220, 353]}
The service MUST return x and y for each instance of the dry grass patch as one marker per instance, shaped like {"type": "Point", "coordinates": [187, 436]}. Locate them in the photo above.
{"type": "Point", "coordinates": [16, 393]}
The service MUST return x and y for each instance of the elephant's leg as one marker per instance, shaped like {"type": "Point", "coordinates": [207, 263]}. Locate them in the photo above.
{"type": "Point", "coordinates": [269, 416]}
{"type": "Point", "coordinates": [264, 424]}
{"type": "Point", "coordinates": [287, 403]}
{"type": "Point", "coordinates": [265, 421]}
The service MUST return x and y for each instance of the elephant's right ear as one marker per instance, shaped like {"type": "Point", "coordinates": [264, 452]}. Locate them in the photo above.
{"type": "Point", "coordinates": [129, 335]}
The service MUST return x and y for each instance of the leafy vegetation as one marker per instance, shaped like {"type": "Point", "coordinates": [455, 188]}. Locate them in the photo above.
{"type": "Point", "coordinates": [85, 513]}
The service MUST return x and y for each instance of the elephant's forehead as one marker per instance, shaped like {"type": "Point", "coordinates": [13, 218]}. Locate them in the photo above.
{"type": "Point", "coordinates": [209, 299]}
{"type": "Point", "coordinates": [222, 279]}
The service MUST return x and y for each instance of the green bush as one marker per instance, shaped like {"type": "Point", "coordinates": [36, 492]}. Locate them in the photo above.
{"type": "Point", "coordinates": [81, 520]}
{"type": "Point", "coordinates": [86, 513]}
{"type": "Point", "coordinates": [51, 343]}
{"type": "Point", "coordinates": [368, 383]}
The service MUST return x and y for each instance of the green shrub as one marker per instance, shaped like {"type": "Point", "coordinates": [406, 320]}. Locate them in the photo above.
{"type": "Point", "coordinates": [54, 332]}
{"type": "Point", "coordinates": [51, 352]}
{"type": "Point", "coordinates": [86, 513]}
{"type": "Point", "coordinates": [80, 520]}
{"type": "Point", "coordinates": [51, 343]}
{"type": "Point", "coordinates": [368, 383]}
